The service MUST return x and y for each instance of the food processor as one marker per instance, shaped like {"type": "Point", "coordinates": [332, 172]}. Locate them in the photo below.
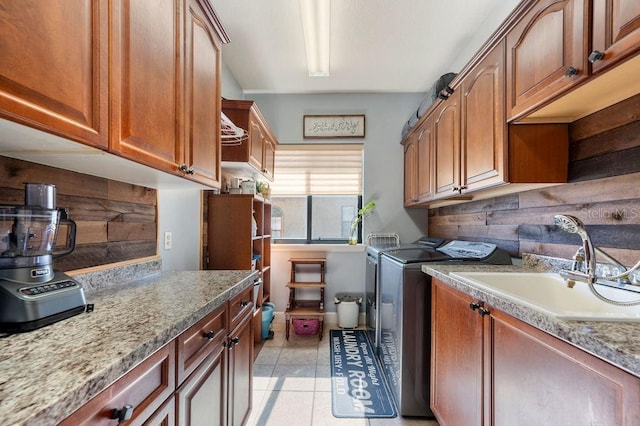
{"type": "Point", "coordinates": [32, 294]}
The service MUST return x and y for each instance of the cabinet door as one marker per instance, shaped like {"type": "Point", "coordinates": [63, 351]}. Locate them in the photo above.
{"type": "Point", "coordinates": [456, 358]}
{"type": "Point", "coordinates": [53, 71]}
{"type": "Point", "coordinates": [146, 82]}
{"type": "Point", "coordinates": [483, 142]}
{"type": "Point", "coordinates": [202, 399]}
{"type": "Point", "coordinates": [256, 142]}
{"type": "Point", "coordinates": [540, 380]}
{"type": "Point", "coordinates": [616, 31]}
{"type": "Point", "coordinates": [202, 96]}
{"type": "Point", "coordinates": [165, 416]}
{"type": "Point", "coordinates": [546, 53]}
{"type": "Point", "coordinates": [447, 147]}
{"type": "Point", "coordinates": [241, 373]}
{"type": "Point", "coordinates": [269, 161]}
{"type": "Point", "coordinates": [410, 171]}
{"type": "Point", "coordinates": [424, 162]}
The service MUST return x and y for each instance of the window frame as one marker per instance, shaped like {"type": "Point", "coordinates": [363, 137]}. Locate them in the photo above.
{"type": "Point", "coordinates": [308, 239]}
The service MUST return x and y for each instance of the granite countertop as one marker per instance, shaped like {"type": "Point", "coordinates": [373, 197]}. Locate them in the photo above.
{"type": "Point", "coordinates": [46, 374]}
{"type": "Point", "coordinates": [616, 342]}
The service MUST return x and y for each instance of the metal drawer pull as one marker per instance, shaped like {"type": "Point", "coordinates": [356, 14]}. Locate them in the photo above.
{"type": "Point", "coordinates": [123, 414]}
{"type": "Point", "coordinates": [209, 334]}
{"type": "Point", "coordinates": [245, 303]}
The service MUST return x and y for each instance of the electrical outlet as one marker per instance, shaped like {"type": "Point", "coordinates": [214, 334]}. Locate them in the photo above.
{"type": "Point", "coordinates": [168, 240]}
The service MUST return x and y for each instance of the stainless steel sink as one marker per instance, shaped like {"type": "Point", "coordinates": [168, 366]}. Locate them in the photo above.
{"type": "Point", "coordinates": [549, 293]}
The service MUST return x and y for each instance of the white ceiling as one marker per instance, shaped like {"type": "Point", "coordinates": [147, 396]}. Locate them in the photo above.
{"type": "Point", "coordinates": [376, 45]}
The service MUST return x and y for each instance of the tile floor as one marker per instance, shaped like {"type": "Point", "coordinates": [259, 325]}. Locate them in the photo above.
{"type": "Point", "coordinates": [292, 385]}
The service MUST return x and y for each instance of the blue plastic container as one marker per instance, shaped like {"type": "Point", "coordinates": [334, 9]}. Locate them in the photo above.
{"type": "Point", "coordinates": [267, 317]}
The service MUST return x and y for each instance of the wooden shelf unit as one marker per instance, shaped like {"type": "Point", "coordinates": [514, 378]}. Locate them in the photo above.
{"type": "Point", "coordinates": [232, 244]}
{"type": "Point", "coordinates": [306, 308]}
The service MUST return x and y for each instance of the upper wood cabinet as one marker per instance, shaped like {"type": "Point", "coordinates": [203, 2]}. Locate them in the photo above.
{"type": "Point", "coordinates": [483, 134]}
{"type": "Point", "coordinates": [410, 170]}
{"type": "Point", "coordinates": [54, 71]}
{"type": "Point", "coordinates": [165, 89]}
{"type": "Point", "coordinates": [425, 180]}
{"type": "Point", "coordinates": [616, 32]}
{"type": "Point", "coordinates": [446, 131]}
{"type": "Point", "coordinates": [269, 158]}
{"type": "Point", "coordinates": [546, 53]}
{"type": "Point", "coordinates": [258, 149]}
{"type": "Point", "coordinates": [147, 82]}
{"type": "Point", "coordinates": [473, 147]}
{"type": "Point", "coordinates": [202, 94]}
{"type": "Point", "coordinates": [418, 165]}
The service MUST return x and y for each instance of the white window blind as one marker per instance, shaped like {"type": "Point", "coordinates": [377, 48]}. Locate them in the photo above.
{"type": "Point", "coordinates": [318, 169]}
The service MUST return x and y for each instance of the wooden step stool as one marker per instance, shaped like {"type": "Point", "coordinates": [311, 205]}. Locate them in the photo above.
{"type": "Point", "coordinates": [306, 309]}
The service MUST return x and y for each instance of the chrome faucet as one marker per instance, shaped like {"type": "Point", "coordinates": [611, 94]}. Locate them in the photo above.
{"type": "Point", "coordinates": [586, 255]}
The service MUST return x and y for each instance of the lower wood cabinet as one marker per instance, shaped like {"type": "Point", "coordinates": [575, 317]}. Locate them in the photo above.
{"type": "Point", "coordinates": [456, 358]}
{"type": "Point", "coordinates": [240, 386]}
{"type": "Point", "coordinates": [165, 416]}
{"type": "Point", "coordinates": [201, 400]}
{"type": "Point", "coordinates": [135, 396]}
{"type": "Point", "coordinates": [202, 377]}
{"type": "Point", "coordinates": [217, 366]}
{"type": "Point", "coordinates": [489, 368]}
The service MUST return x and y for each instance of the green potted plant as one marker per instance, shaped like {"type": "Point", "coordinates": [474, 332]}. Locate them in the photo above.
{"type": "Point", "coordinates": [362, 213]}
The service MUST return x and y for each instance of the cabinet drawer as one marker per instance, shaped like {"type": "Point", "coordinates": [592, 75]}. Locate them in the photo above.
{"type": "Point", "coordinates": [198, 341]}
{"type": "Point", "coordinates": [145, 388]}
{"type": "Point", "coordinates": [240, 306]}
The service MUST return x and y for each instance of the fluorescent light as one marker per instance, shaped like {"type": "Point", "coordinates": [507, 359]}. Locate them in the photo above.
{"type": "Point", "coordinates": [316, 23]}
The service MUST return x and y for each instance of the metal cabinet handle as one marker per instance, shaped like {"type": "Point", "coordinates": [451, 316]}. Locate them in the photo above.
{"type": "Point", "coordinates": [209, 334]}
{"type": "Point", "coordinates": [244, 303]}
{"type": "Point", "coordinates": [123, 414]}
{"type": "Point", "coordinates": [595, 56]}
{"type": "Point", "coordinates": [571, 71]}
{"type": "Point", "coordinates": [233, 342]}
{"type": "Point", "coordinates": [474, 306]}
{"type": "Point", "coordinates": [186, 169]}
{"type": "Point", "coordinates": [482, 311]}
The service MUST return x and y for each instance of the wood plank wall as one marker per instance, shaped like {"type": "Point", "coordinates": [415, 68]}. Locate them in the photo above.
{"type": "Point", "coordinates": [115, 221]}
{"type": "Point", "coordinates": [603, 191]}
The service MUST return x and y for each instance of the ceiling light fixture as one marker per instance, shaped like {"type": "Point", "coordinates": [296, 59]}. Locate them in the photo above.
{"type": "Point", "coordinates": [316, 23]}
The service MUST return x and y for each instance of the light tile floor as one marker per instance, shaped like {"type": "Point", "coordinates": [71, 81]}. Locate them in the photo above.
{"type": "Point", "coordinates": [292, 385]}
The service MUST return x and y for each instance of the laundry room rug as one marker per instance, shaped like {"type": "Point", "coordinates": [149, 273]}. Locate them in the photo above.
{"type": "Point", "coordinates": [358, 389]}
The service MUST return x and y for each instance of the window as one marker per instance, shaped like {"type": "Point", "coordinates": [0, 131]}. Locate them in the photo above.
{"type": "Point", "coordinates": [316, 192]}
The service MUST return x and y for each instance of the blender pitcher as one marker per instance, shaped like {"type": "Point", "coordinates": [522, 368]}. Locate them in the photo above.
{"type": "Point", "coordinates": [34, 227]}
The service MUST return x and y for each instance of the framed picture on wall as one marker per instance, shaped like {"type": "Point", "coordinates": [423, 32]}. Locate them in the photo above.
{"type": "Point", "coordinates": [333, 126]}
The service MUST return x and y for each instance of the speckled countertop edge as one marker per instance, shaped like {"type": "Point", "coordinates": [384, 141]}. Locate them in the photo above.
{"type": "Point", "coordinates": [46, 374]}
{"type": "Point", "coordinates": [613, 341]}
